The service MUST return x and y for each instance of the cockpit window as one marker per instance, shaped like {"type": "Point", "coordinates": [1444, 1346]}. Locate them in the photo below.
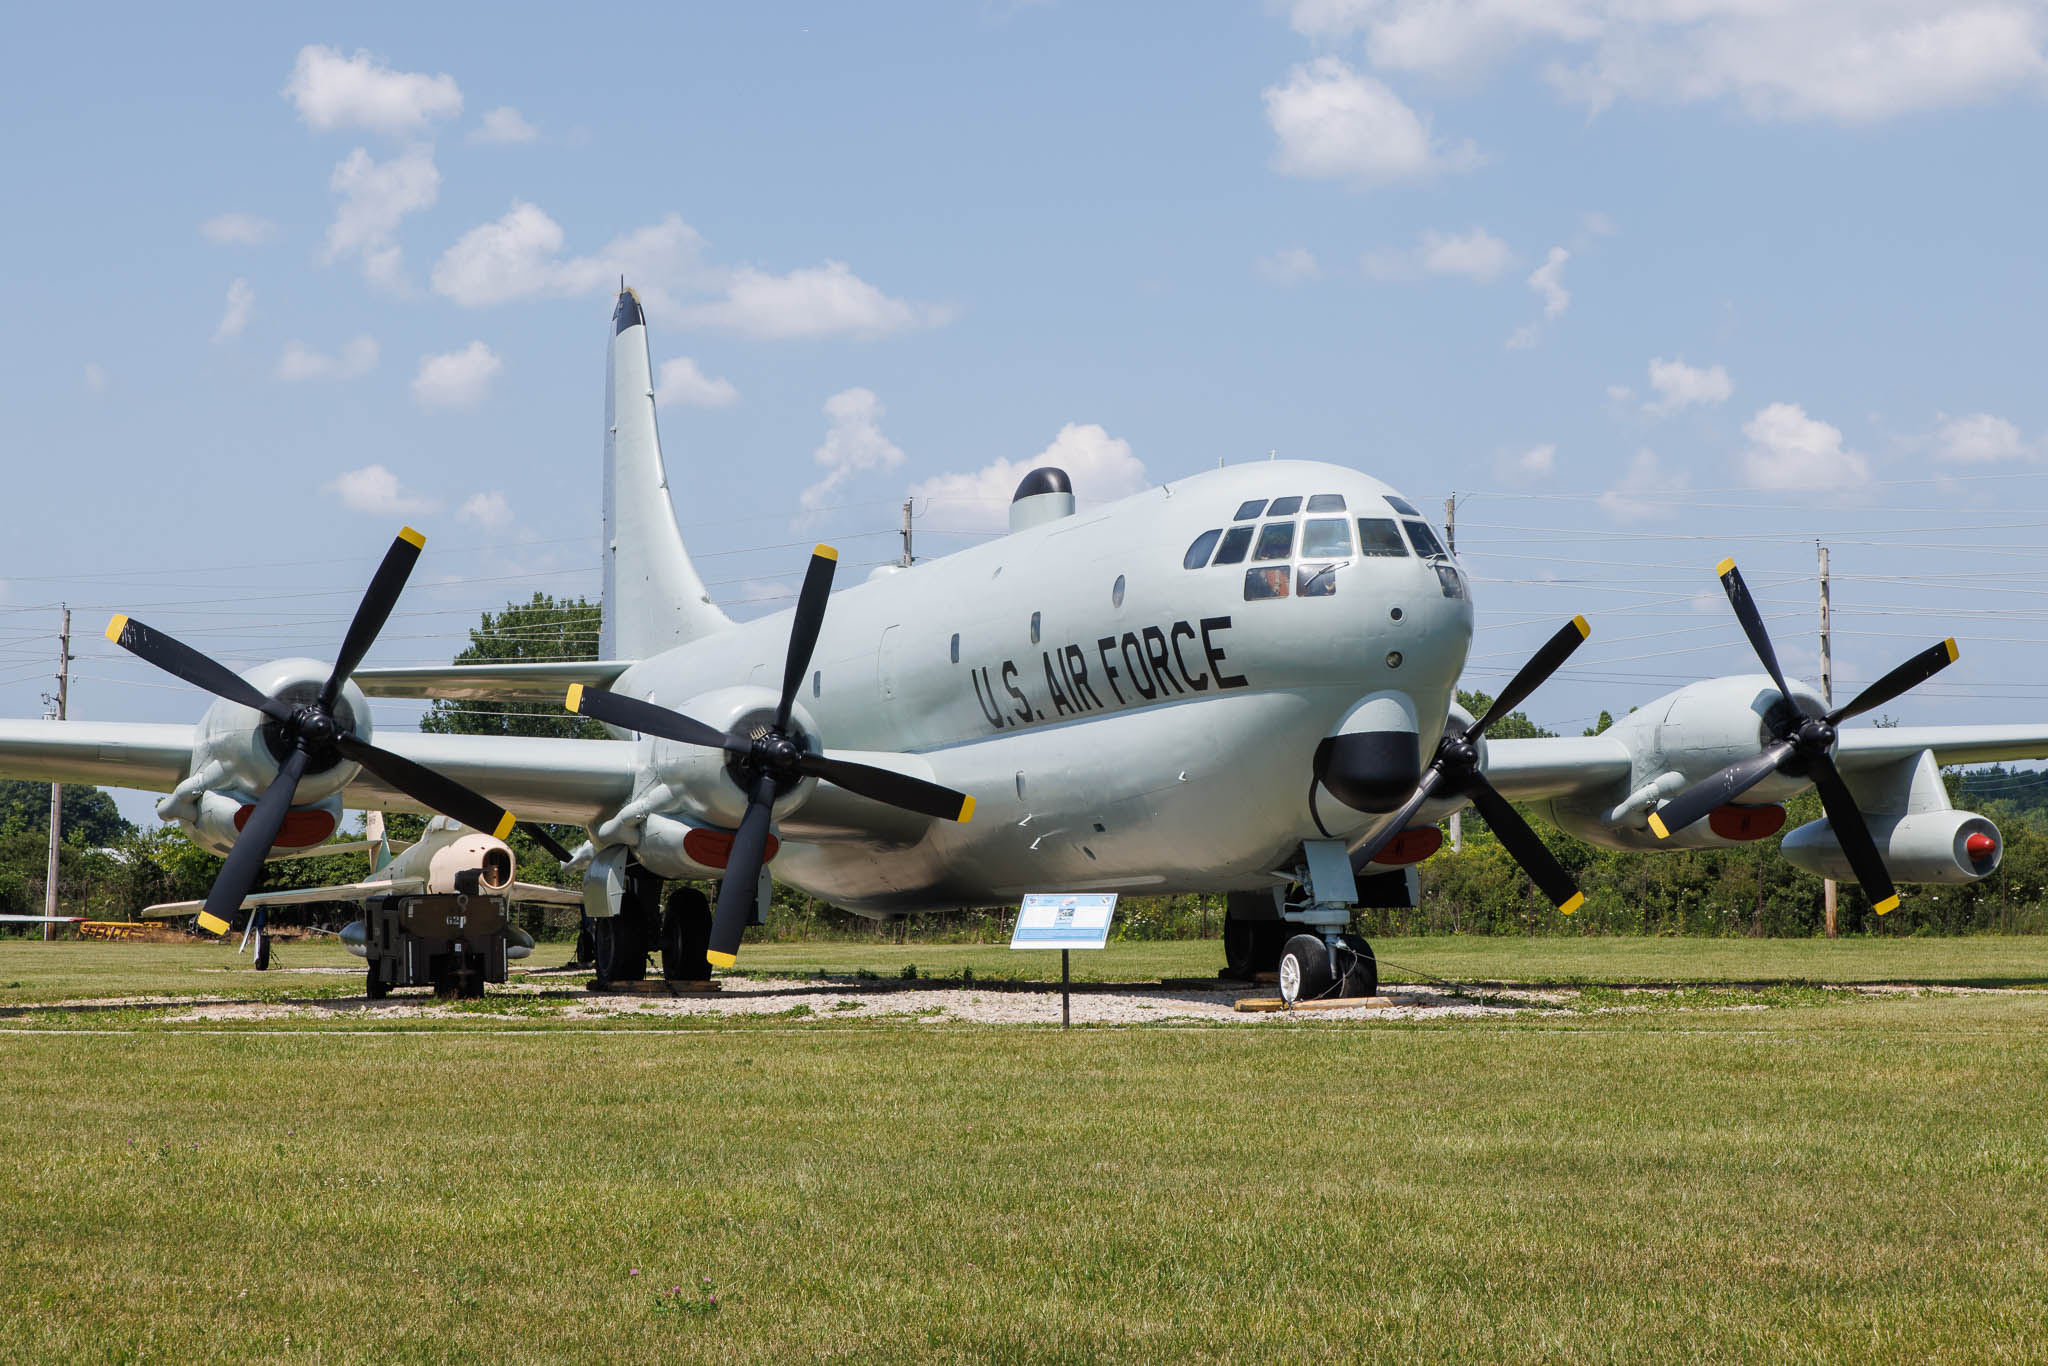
{"type": "Point", "coordinates": [1317, 580]}
{"type": "Point", "coordinates": [1265, 583]}
{"type": "Point", "coordinates": [1198, 553]}
{"type": "Point", "coordinates": [1249, 510]}
{"type": "Point", "coordinates": [1377, 536]}
{"type": "Point", "coordinates": [1326, 502]}
{"type": "Point", "coordinates": [1426, 543]}
{"type": "Point", "coordinates": [1236, 541]}
{"type": "Point", "coordinates": [1402, 506]}
{"type": "Point", "coordinates": [1276, 542]}
{"type": "Point", "coordinates": [1323, 536]}
{"type": "Point", "coordinates": [1284, 507]}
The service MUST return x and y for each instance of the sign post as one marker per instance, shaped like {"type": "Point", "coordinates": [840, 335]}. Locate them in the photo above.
{"type": "Point", "coordinates": [1064, 921]}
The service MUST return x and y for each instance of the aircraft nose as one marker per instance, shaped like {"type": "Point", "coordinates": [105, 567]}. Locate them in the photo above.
{"type": "Point", "coordinates": [628, 313]}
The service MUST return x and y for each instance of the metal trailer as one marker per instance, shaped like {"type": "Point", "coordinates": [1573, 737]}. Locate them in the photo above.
{"type": "Point", "coordinates": [450, 941]}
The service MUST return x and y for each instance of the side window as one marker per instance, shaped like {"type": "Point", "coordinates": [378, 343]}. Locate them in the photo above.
{"type": "Point", "coordinates": [956, 647]}
{"type": "Point", "coordinates": [1198, 553]}
{"type": "Point", "coordinates": [1276, 541]}
{"type": "Point", "coordinates": [1317, 580]}
{"type": "Point", "coordinates": [1284, 507]}
{"type": "Point", "coordinates": [1426, 543]}
{"type": "Point", "coordinates": [1378, 536]}
{"type": "Point", "coordinates": [1402, 506]}
{"type": "Point", "coordinates": [1325, 536]}
{"type": "Point", "coordinates": [1034, 628]}
{"type": "Point", "coordinates": [1247, 511]}
{"type": "Point", "coordinates": [818, 683]}
{"type": "Point", "coordinates": [1236, 541]}
{"type": "Point", "coordinates": [1326, 502]}
{"type": "Point", "coordinates": [1265, 583]}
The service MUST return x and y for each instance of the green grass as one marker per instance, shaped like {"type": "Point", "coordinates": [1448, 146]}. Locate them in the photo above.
{"type": "Point", "coordinates": [1834, 1183]}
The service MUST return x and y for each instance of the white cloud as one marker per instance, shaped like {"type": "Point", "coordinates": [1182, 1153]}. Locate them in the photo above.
{"type": "Point", "coordinates": [1790, 450]}
{"type": "Point", "coordinates": [456, 379]}
{"type": "Point", "coordinates": [375, 197]}
{"type": "Point", "coordinates": [682, 384]}
{"type": "Point", "coordinates": [1524, 338]}
{"type": "Point", "coordinates": [1645, 492]}
{"type": "Point", "coordinates": [1101, 467]}
{"type": "Point", "coordinates": [1335, 124]}
{"type": "Point", "coordinates": [376, 490]}
{"type": "Point", "coordinates": [1679, 385]}
{"type": "Point", "coordinates": [238, 230]}
{"type": "Point", "coordinates": [241, 302]}
{"type": "Point", "coordinates": [95, 378]}
{"type": "Point", "coordinates": [486, 509]}
{"type": "Point", "coordinates": [519, 256]}
{"type": "Point", "coordinates": [1980, 439]}
{"type": "Point", "coordinates": [333, 91]}
{"type": "Point", "coordinates": [854, 444]}
{"type": "Point", "coordinates": [504, 124]}
{"type": "Point", "coordinates": [1548, 281]}
{"type": "Point", "coordinates": [355, 359]}
{"type": "Point", "coordinates": [1531, 466]}
{"type": "Point", "coordinates": [1847, 60]}
{"type": "Point", "coordinates": [1620, 393]}
{"type": "Point", "coordinates": [814, 301]}
{"type": "Point", "coordinates": [1288, 266]}
{"type": "Point", "coordinates": [1477, 255]}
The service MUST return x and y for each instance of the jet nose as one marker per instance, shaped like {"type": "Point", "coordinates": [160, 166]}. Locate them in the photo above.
{"type": "Point", "coordinates": [628, 313]}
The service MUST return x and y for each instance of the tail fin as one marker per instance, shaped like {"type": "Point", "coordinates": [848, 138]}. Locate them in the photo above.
{"type": "Point", "coordinates": [373, 831]}
{"type": "Point", "coordinates": [653, 598]}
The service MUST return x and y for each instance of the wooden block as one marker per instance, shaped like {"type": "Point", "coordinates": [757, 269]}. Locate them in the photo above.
{"type": "Point", "coordinates": [657, 986]}
{"type": "Point", "coordinates": [1258, 1005]}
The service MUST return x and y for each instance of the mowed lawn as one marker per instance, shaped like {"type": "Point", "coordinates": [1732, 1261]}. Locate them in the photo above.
{"type": "Point", "coordinates": [1859, 1181]}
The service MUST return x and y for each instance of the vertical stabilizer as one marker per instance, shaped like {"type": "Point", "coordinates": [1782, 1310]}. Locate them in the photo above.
{"type": "Point", "coordinates": [653, 598]}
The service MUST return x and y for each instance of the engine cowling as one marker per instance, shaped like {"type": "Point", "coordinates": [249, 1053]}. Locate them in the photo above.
{"type": "Point", "coordinates": [1926, 846]}
{"type": "Point", "coordinates": [706, 784]}
{"type": "Point", "coordinates": [474, 865]}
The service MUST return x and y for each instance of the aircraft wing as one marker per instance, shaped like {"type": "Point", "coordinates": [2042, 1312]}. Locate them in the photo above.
{"type": "Point", "coordinates": [347, 891]}
{"type": "Point", "coordinates": [110, 753]}
{"type": "Point", "coordinates": [491, 682]}
{"type": "Point", "coordinates": [548, 896]}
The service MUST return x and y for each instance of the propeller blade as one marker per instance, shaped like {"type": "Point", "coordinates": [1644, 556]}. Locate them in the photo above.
{"type": "Point", "coordinates": [885, 785]}
{"type": "Point", "coordinates": [742, 875]}
{"type": "Point", "coordinates": [539, 835]}
{"type": "Point", "coordinates": [803, 627]}
{"type": "Point", "coordinates": [1523, 843]}
{"type": "Point", "coordinates": [244, 866]}
{"type": "Point", "coordinates": [429, 788]}
{"type": "Point", "coordinates": [1853, 834]}
{"type": "Point", "coordinates": [1541, 665]}
{"type": "Point", "coordinates": [375, 609]}
{"type": "Point", "coordinates": [1911, 674]}
{"type": "Point", "coordinates": [630, 713]}
{"type": "Point", "coordinates": [173, 656]}
{"type": "Point", "coordinates": [1752, 622]}
{"type": "Point", "coordinates": [1367, 852]}
{"type": "Point", "coordinates": [1717, 789]}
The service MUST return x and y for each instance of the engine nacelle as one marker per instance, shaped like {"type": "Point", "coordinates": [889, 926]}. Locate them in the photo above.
{"type": "Point", "coordinates": [1927, 846]}
{"type": "Point", "coordinates": [707, 782]}
{"type": "Point", "coordinates": [474, 865]}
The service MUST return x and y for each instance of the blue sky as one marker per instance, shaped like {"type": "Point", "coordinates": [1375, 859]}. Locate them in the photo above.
{"type": "Point", "coordinates": [1645, 283]}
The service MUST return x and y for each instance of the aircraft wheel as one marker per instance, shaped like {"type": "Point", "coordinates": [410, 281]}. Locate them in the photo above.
{"type": "Point", "coordinates": [1361, 968]}
{"type": "Point", "coordinates": [685, 934]}
{"type": "Point", "coordinates": [262, 952]}
{"type": "Point", "coordinates": [586, 947]}
{"type": "Point", "coordinates": [374, 985]}
{"type": "Point", "coordinates": [1251, 945]}
{"type": "Point", "coordinates": [1305, 971]}
{"type": "Point", "coordinates": [621, 952]}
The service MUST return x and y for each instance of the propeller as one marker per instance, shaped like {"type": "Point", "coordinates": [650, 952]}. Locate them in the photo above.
{"type": "Point", "coordinates": [1454, 772]}
{"type": "Point", "coordinates": [1802, 747]}
{"type": "Point", "coordinates": [771, 761]}
{"type": "Point", "coordinates": [539, 835]}
{"type": "Point", "coordinates": [318, 737]}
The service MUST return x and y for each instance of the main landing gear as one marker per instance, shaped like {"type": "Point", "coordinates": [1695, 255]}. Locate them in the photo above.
{"type": "Point", "coordinates": [681, 932]}
{"type": "Point", "coordinates": [1303, 937]}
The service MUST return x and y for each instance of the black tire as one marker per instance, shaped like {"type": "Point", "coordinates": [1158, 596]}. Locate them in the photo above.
{"type": "Point", "coordinates": [1240, 947]}
{"type": "Point", "coordinates": [685, 935]}
{"type": "Point", "coordinates": [262, 952]}
{"type": "Point", "coordinates": [374, 985]}
{"type": "Point", "coordinates": [1251, 944]}
{"type": "Point", "coordinates": [1305, 971]}
{"type": "Point", "coordinates": [586, 947]}
{"type": "Point", "coordinates": [602, 933]}
{"type": "Point", "coordinates": [1361, 969]}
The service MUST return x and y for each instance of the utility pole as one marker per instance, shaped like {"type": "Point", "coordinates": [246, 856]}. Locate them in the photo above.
{"type": "Point", "coordinates": [906, 533]}
{"type": "Point", "coordinates": [1827, 693]}
{"type": "Point", "coordinates": [1451, 543]}
{"type": "Point", "coordinates": [57, 789]}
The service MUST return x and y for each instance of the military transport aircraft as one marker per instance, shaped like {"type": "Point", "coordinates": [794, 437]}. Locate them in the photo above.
{"type": "Point", "coordinates": [1237, 682]}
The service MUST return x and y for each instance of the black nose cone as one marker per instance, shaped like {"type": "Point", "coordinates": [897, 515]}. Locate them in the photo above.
{"type": "Point", "coordinates": [628, 313]}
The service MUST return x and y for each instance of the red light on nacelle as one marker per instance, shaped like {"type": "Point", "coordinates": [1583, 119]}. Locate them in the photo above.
{"type": "Point", "coordinates": [301, 829]}
{"type": "Point", "coordinates": [1410, 846]}
{"type": "Point", "coordinates": [1980, 846]}
{"type": "Point", "coordinates": [1746, 822]}
{"type": "Point", "coordinates": [713, 847]}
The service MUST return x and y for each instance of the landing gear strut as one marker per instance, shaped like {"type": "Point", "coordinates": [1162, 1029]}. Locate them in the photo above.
{"type": "Point", "coordinates": [1321, 957]}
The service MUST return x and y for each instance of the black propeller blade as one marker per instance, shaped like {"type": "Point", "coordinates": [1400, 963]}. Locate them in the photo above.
{"type": "Point", "coordinates": [773, 761]}
{"type": "Point", "coordinates": [1802, 747]}
{"type": "Point", "coordinates": [539, 835]}
{"type": "Point", "coordinates": [1454, 772]}
{"type": "Point", "coordinates": [316, 733]}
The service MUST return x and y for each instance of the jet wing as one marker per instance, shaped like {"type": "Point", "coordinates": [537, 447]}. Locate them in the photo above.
{"type": "Point", "coordinates": [491, 682]}
{"type": "Point", "coordinates": [523, 892]}
{"type": "Point", "coordinates": [347, 891]}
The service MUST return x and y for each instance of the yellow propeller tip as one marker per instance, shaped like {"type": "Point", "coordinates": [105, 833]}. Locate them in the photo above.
{"type": "Point", "coordinates": [1578, 900]}
{"type": "Point", "coordinates": [1657, 824]}
{"type": "Point", "coordinates": [1889, 904]}
{"type": "Point", "coordinates": [505, 824]}
{"type": "Point", "coordinates": [117, 626]}
{"type": "Point", "coordinates": [574, 701]}
{"type": "Point", "coordinates": [211, 923]}
{"type": "Point", "coordinates": [1721, 569]}
{"type": "Point", "coordinates": [412, 538]}
{"type": "Point", "coordinates": [966, 810]}
{"type": "Point", "coordinates": [1584, 629]}
{"type": "Point", "coordinates": [1951, 644]}
{"type": "Point", "coordinates": [826, 552]}
{"type": "Point", "coordinates": [720, 960]}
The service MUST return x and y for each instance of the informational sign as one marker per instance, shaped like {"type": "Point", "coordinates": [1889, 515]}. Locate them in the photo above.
{"type": "Point", "coordinates": [1064, 920]}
